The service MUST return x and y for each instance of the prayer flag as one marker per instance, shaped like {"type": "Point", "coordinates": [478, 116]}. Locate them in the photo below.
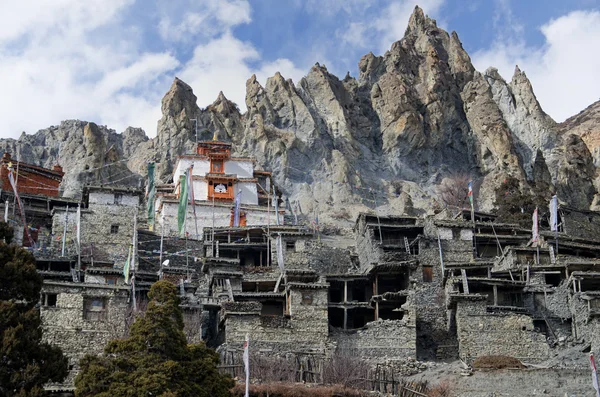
{"type": "Point", "coordinates": [236, 214]}
{"type": "Point", "coordinates": [554, 214]}
{"type": "Point", "coordinates": [276, 205]}
{"type": "Point", "coordinates": [127, 267]}
{"type": "Point", "coordinates": [79, 226]}
{"type": "Point", "coordinates": [279, 247]}
{"type": "Point", "coordinates": [150, 196]}
{"type": "Point", "coordinates": [14, 186]}
{"type": "Point", "coordinates": [470, 194]}
{"type": "Point", "coordinates": [534, 229]}
{"type": "Point", "coordinates": [183, 202]}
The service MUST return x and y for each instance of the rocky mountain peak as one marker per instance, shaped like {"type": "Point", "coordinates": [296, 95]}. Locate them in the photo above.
{"type": "Point", "coordinates": [416, 115]}
{"type": "Point", "coordinates": [180, 97]}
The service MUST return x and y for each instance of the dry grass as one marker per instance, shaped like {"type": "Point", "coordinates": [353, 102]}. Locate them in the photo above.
{"type": "Point", "coordinates": [296, 390]}
{"type": "Point", "coordinates": [496, 362]}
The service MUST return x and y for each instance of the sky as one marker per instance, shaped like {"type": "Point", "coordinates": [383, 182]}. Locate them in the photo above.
{"type": "Point", "coordinates": [112, 61]}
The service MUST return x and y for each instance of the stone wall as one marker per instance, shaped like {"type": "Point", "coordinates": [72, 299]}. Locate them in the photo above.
{"type": "Point", "coordinates": [381, 339]}
{"type": "Point", "coordinates": [106, 231]}
{"type": "Point", "coordinates": [585, 328]}
{"type": "Point", "coordinates": [305, 329]}
{"type": "Point", "coordinates": [482, 334]}
{"type": "Point", "coordinates": [65, 324]}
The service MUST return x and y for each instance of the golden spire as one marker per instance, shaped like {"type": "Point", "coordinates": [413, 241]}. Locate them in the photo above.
{"type": "Point", "coordinates": [215, 136]}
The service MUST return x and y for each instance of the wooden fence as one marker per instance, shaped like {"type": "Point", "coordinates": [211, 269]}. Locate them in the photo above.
{"type": "Point", "coordinates": [310, 368]}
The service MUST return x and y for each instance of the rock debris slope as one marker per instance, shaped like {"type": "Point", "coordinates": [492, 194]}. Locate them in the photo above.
{"type": "Point", "coordinates": [415, 115]}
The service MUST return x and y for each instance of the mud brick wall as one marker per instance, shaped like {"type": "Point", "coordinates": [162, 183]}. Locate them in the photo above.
{"type": "Point", "coordinates": [482, 334]}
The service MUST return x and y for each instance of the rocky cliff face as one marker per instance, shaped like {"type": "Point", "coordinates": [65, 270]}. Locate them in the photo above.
{"type": "Point", "coordinates": [415, 115]}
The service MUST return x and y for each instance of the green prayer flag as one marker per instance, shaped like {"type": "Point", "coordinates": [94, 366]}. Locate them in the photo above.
{"type": "Point", "coordinates": [151, 195]}
{"type": "Point", "coordinates": [183, 202]}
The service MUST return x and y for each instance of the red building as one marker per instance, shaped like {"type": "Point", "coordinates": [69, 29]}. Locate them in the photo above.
{"type": "Point", "coordinates": [30, 179]}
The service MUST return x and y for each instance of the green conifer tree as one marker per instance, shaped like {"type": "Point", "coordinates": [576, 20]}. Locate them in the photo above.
{"type": "Point", "coordinates": [155, 360]}
{"type": "Point", "coordinates": [26, 363]}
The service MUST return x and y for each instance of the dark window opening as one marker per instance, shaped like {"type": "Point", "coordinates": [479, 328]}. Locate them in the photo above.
{"type": "Point", "coordinates": [540, 326]}
{"type": "Point", "coordinates": [392, 282]}
{"type": "Point", "coordinates": [336, 291]}
{"type": "Point", "coordinates": [266, 286]}
{"type": "Point", "coordinates": [111, 280]}
{"type": "Point", "coordinates": [336, 317]}
{"type": "Point", "coordinates": [114, 229]}
{"type": "Point", "coordinates": [359, 317]}
{"type": "Point", "coordinates": [272, 308]}
{"type": "Point", "coordinates": [118, 198]}
{"type": "Point", "coordinates": [553, 279]}
{"type": "Point", "coordinates": [357, 291]}
{"type": "Point", "coordinates": [427, 274]}
{"type": "Point", "coordinates": [248, 287]}
{"type": "Point", "coordinates": [391, 311]}
{"type": "Point", "coordinates": [290, 245]}
{"type": "Point", "coordinates": [50, 300]}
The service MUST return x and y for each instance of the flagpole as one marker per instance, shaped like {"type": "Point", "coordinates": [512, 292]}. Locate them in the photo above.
{"type": "Point", "coordinates": [267, 185]}
{"type": "Point", "coordinates": [16, 189]}
{"type": "Point", "coordinates": [213, 224]}
{"type": "Point", "coordinates": [133, 258]}
{"type": "Point", "coordinates": [162, 238]}
{"type": "Point", "coordinates": [594, 374]}
{"type": "Point", "coordinates": [78, 238]}
{"type": "Point", "coordinates": [65, 232]}
{"type": "Point", "coordinates": [246, 358]}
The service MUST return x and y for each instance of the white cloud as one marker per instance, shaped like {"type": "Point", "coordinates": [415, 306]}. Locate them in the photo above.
{"type": "Point", "coordinates": [183, 20]}
{"type": "Point", "coordinates": [225, 64]}
{"type": "Point", "coordinates": [380, 30]}
{"type": "Point", "coordinates": [63, 59]}
{"type": "Point", "coordinates": [563, 71]}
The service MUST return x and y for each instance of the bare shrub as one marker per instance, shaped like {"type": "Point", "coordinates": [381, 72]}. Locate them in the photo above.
{"type": "Point", "coordinates": [192, 325]}
{"type": "Point", "coordinates": [496, 362]}
{"type": "Point", "coordinates": [442, 389]}
{"type": "Point", "coordinates": [272, 369]}
{"type": "Point", "coordinates": [453, 191]}
{"type": "Point", "coordinates": [345, 368]}
{"type": "Point", "coordinates": [296, 390]}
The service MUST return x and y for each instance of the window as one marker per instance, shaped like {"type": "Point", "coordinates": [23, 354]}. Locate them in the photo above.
{"type": "Point", "coordinates": [216, 166]}
{"type": "Point", "coordinates": [94, 309]}
{"type": "Point", "coordinates": [114, 229]}
{"type": "Point", "coordinates": [111, 280]}
{"type": "Point", "coordinates": [290, 245]}
{"type": "Point", "coordinates": [427, 274]}
{"type": "Point", "coordinates": [49, 300]}
{"type": "Point", "coordinates": [118, 198]}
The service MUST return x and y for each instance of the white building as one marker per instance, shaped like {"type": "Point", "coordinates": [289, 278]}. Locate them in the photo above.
{"type": "Point", "coordinates": [216, 180]}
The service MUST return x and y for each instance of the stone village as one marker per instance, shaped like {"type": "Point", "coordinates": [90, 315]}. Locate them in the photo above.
{"type": "Point", "coordinates": [440, 287]}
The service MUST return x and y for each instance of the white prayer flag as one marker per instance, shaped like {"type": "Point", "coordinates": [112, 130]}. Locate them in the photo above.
{"type": "Point", "coordinates": [279, 246]}
{"type": "Point", "coordinates": [535, 230]}
{"type": "Point", "coordinates": [554, 214]}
